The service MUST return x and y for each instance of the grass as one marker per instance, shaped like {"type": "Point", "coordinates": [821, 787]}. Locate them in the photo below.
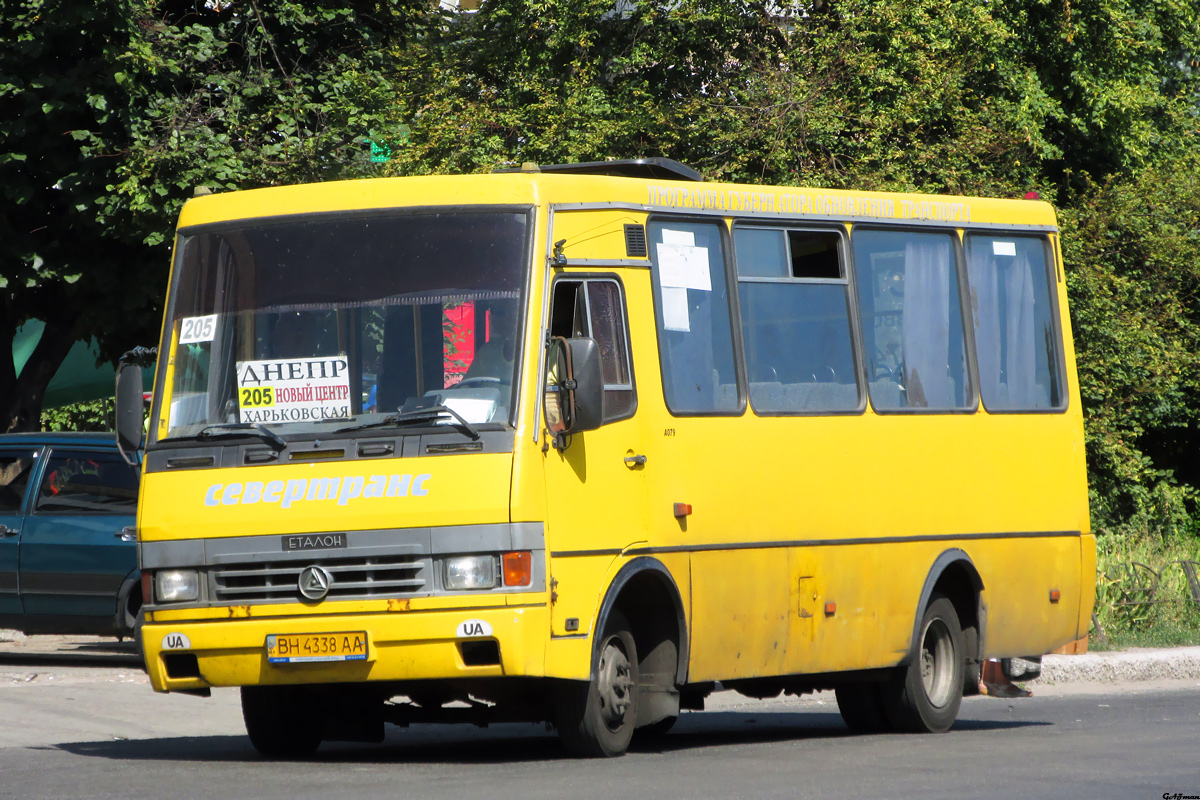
{"type": "Point", "coordinates": [1143, 598]}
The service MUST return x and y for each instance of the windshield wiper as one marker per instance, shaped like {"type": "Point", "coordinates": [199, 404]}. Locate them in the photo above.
{"type": "Point", "coordinates": [428, 414]}
{"type": "Point", "coordinates": [256, 429]}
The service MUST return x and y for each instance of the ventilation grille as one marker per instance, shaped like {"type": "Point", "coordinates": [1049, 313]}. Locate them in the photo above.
{"type": "Point", "coordinates": [353, 578]}
{"type": "Point", "coordinates": [635, 241]}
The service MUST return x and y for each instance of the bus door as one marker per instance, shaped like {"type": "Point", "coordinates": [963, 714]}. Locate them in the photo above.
{"type": "Point", "coordinates": [594, 480]}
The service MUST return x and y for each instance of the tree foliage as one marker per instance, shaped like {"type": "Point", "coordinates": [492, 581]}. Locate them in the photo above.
{"type": "Point", "coordinates": [116, 111]}
{"type": "Point", "coordinates": [1093, 103]}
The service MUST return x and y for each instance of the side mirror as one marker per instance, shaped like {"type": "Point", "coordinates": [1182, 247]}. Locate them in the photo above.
{"type": "Point", "coordinates": [574, 386]}
{"type": "Point", "coordinates": [130, 416]}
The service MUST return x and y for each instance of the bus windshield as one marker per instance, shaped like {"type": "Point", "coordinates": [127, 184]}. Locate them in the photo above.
{"type": "Point", "coordinates": [291, 323]}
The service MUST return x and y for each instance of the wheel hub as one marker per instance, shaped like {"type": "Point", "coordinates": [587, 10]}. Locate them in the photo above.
{"type": "Point", "coordinates": [937, 663]}
{"type": "Point", "coordinates": [615, 684]}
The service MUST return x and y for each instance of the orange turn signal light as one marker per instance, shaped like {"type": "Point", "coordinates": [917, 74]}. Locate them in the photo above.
{"type": "Point", "coordinates": [683, 509]}
{"type": "Point", "coordinates": [1055, 595]}
{"type": "Point", "coordinates": [518, 568]}
{"type": "Point", "coordinates": [830, 609]}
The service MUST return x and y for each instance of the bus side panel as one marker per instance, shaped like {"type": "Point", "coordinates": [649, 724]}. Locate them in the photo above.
{"type": "Point", "coordinates": [1018, 577]}
{"type": "Point", "coordinates": [739, 620]}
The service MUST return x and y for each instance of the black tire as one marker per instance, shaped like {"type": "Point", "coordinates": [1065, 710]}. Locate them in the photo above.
{"type": "Point", "coordinates": [282, 721]}
{"type": "Point", "coordinates": [595, 719]}
{"type": "Point", "coordinates": [924, 696]}
{"type": "Point", "coordinates": [131, 613]}
{"type": "Point", "coordinates": [862, 707]}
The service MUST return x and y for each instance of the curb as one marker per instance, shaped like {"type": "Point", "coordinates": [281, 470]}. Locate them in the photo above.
{"type": "Point", "coordinates": [1124, 665]}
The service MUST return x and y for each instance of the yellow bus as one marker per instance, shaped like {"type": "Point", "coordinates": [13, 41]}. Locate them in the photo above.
{"type": "Point", "coordinates": [585, 443]}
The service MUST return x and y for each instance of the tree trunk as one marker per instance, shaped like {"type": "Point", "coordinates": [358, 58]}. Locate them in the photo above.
{"type": "Point", "coordinates": [21, 395]}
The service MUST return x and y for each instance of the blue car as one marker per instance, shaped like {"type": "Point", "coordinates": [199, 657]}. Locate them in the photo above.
{"type": "Point", "coordinates": [68, 551]}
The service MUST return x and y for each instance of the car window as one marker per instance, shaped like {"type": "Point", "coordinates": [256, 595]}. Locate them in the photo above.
{"type": "Point", "coordinates": [15, 469]}
{"type": "Point", "coordinates": [82, 482]}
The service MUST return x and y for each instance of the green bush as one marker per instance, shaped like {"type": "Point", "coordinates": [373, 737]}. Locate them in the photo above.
{"type": "Point", "coordinates": [96, 415]}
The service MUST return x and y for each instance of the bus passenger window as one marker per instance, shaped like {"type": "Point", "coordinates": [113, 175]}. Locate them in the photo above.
{"type": "Point", "coordinates": [595, 309]}
{"type": "Point", "coordinates": [691, 303]}
{"type": "Point", "coordinates": [795, 321]}
{"type": "Point", "coordinates": [1016, 341]}
{"type": "Point", "coordinates": [911, 320]}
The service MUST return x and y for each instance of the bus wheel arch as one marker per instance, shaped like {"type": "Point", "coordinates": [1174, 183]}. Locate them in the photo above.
{"type": "Point", "coordinates": [644, 593]}
{"type": "Point", "coordinates": [949, 624]}
{"type": "Point", "coordinates": [953, 575]}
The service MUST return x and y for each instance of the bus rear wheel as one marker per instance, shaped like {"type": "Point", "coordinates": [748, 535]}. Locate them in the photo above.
{"type": "Point", "coordinates": [925, 695]}
{"type": "Point", "coordinates": [597, 718]}
{"type": "Point", "coordinates": [282, 721]}
{"type": "Point", "coordinates": [862, 707]}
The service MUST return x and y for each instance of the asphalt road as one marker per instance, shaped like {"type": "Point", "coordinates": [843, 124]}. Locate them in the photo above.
{"type": "Point", "coordinates": [86, 724]}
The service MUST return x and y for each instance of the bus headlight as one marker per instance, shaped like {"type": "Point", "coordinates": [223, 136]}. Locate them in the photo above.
{"type": "Point", "coordinates": [176, 585]}
{"type": "Point", "coordinates": [471, 572]}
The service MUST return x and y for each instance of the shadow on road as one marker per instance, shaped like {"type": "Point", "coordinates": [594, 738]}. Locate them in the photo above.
{"type": "Point", "coordinates": [107, 653]}
{"type": "Point", "coordinates": [509, 743]}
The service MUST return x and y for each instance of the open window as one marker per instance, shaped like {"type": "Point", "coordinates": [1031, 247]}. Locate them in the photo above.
{"type": "Point", "coordinates": [594, 308]}
{"type": "Point", "coordinates": [795, 305]}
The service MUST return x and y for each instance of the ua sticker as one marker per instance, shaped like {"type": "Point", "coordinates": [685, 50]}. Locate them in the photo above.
{"type": "Point", "coordinates": [472, 628]}
{"type": "Point", "coordinates": [176, 641]}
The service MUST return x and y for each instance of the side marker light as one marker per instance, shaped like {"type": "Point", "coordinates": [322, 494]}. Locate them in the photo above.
{"type": "Point", "coordinates": [683, 509]}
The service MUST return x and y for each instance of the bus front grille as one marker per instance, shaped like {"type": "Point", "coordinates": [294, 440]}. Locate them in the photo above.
{"type": "Point", "coordinates": [353, 578]}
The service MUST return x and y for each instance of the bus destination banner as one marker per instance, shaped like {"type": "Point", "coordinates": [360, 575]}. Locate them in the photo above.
{"type": "Point", "coordinates": [294, 389]}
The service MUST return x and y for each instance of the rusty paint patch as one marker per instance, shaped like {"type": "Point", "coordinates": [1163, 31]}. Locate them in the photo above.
{"type": "Point", "coordinates": [398, 605]}
{"type": "Point", "coordinates": [237, 612]}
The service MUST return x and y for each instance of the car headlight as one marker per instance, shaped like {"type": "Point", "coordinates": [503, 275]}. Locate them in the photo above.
{"type": "Point", "coordinates": [176, 585]}
{"type": "Point", "coordinates": [471, 572]}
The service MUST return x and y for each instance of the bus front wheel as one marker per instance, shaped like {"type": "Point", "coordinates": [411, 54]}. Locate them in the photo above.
{"type": "Point", "coordinates": [282, 721]}
{"type": "Point", "coordinates": [597, 718]}
{"type": "Point", "coordinates": [925, 695]}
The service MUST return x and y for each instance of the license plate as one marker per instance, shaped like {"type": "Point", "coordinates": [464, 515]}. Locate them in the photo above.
{"type": "Point", "coordinates": [296, 648]}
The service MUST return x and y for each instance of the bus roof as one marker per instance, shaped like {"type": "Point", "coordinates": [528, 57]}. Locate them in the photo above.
{"type": "Point", "coordinates": [653, 195]}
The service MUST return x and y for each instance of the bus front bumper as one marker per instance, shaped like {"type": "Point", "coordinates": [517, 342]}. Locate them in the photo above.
{"type": "Point", "coordinates": [418, 645]}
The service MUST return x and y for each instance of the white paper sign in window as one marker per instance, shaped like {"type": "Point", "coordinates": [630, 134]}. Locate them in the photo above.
{"type": "Point", "coordinates": [193, 330]}
{"type": "Point", "coordinates": [675, 309]}
{"type": "Point", "coordinates": [294, 389]}
{"type": "Point", "coordinates": [1001, 248]}
{"type": "Point", "coordinates": [681, 264]}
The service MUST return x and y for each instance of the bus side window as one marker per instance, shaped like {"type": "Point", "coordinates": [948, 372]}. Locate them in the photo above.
{"type": "Point", "coordinates": [912, 321]}
{"type": "Point", "coordinates": [691, 303]}
{"type": "Point", "coordinates": [595, 309]}
{"type": "Point", "coordinates": [1016, 340]}
{"type": "Point", "coordinates": [795, 305]}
